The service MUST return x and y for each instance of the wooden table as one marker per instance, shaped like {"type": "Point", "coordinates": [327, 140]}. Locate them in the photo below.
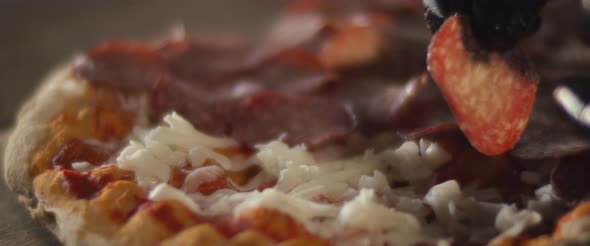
{"type": "Point", "coordinates": [37, 35]}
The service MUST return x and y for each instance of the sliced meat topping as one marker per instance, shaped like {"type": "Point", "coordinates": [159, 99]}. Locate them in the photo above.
{"type": "Point", "coordinates": [291, 92]}
{"type": "Point", "coordinates": [342, 72]}
{"type": "Point", "coordinates": [293, 70]}
{"type": "Point", "coordinates": [379, 104]}
{"type": "Point", "coordinates": [352, 34]}
{"type": "Point", "coordinates": [261, 117]}
{"type": "Point", "coordinates": [122, 64]}
{"type": "Point", "coordinates": [550, 134]}
{"type": "Point", "coordinates": [308, 120]}
{"type": "Point", "coordinates": [205, 60]}
{"type": "Point", "coordinates": [491, 94]}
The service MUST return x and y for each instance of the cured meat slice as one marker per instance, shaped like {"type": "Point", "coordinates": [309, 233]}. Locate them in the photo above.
{"type": "Point", "coordinates": [351, 34]}
{"type": "Point", "coordinates": [426, 109]}
{"type": "Point", "coordinates": [206, 60]}
{"type": "Point", "coordinates": [289, 93]}
{"type": "Point", "coordinates": [491, 94]}
{"type": "Point", "coordinates": [353, 44]}
{"type": "Point", "coordinates": [550, 133]}
{"type": "Point", "coordinates": [122, 64]}
{"type": "Point", "coordinates": [379, 103]}
{"type": "Point", "coordinates": [293, 70]}
{"type": "Point", "coordinates": [308, 120]}
{"type": "Point", "coordinates": [261, 117]}
{"type": "Point", "coordinates": [429, 131]}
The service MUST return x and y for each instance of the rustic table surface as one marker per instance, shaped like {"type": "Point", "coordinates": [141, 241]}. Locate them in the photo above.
{"type": "Point", "coordinates": [37, 35]}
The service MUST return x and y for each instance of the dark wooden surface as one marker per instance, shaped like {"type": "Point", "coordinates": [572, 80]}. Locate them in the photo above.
{"type": "Point", "coordinates": [37, 35]}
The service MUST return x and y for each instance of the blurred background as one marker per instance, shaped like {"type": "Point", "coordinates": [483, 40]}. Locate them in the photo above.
{"type": "Point", "coordinates": [35, 36]}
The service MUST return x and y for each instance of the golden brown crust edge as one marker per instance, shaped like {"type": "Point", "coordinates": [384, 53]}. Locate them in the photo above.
{"type": "Point", "coordinates": [28, 133]}
{"type": "Point", "coordinates": [73, 221]}
{"type": "Point", "coordinates": [31, 126]}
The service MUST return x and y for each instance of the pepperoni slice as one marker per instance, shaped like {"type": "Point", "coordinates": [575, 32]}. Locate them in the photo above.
{"type": "Point", "coordinates": [353, 46]}
{"type": "Point", "coordinates": [208, 60]}
{"type": "Point", "coordinates": [221, 90]}
{"type": "Point", "coordinates": [564, 139]}
{"type": "Point", "coordinates": [302, 119]}
{"type": "Point", "coordinates": [490, 94]}
{"type": "Point", "coordinates": [122, 64]}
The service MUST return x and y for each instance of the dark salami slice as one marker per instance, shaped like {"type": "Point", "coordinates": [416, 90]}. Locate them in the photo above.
{"type": "Point", "coordinates": [429, 131]}
{"type": "Point", "coordinates": [308, 120]}
{"type": "Point", "coordinates": [122, 64]}
{"type": "Point", "coordinates": [292, 70]}
{"type": "Point", "coordinates": [206, 110]}
{"type": "Point", "coordinates": [261, 117]}
{"type": "Point", "coordinates": [205, 60]}
{"type": "Point", "coordinates": [225, 86]}
{"type": "Point", "coordinates": [550, 133]}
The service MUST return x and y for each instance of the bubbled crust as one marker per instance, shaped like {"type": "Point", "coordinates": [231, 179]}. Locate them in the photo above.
{"type": "Point", "coordinates": [29, 132]}
{"type": "Point", "coordinates": [117, 215]}
{"type": "Point", "coordinates": [203, 234]}
{"type": "Point", "coordinates": [31, 127]}
{"type": "Point", "coordinates": [75, 221]}
{"type": "Point", "coordinates": [86, 222]}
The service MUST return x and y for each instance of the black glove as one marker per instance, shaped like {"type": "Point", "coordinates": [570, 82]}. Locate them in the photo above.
{"type": "Point", "coordinates": [498, 24]}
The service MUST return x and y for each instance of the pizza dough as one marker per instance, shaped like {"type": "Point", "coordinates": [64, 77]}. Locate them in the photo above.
{"type": "Point", "coordinates": [213, 139]}
{"type": "Point", "coordinates": [29, 133]}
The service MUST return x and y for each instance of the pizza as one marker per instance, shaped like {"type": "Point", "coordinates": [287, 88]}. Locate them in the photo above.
{"type": "Point", "coordinates": [348, 123]}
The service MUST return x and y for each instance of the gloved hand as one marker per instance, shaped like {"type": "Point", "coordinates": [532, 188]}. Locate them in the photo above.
{"type": "Point", "coordinates": [498, 24]}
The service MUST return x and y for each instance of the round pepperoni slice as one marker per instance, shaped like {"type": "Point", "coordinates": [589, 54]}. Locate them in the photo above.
{"type": "Point", "coordinates": [491, 94]}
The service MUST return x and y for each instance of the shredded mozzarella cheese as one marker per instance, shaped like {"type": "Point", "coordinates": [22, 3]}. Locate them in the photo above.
{"type": "Point", "coordinates": [164, 192]}
{"type": "Point", "coordinates": [330, 198]}
{"type": "Point", "coordinates": [201, 175]}
{"type": "Point", "coordinates": [512, 221]}
{"type": "Point", "coordinates": [155, 152]}
{"type": "Point", "coordinates": [82, 166]}
{"type": "Point", "coordinates": [179, 133]}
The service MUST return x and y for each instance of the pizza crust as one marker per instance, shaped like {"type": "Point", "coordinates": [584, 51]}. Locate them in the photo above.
{"type": "Point", "coordinates": [29, 132]}
{"type": "Point", "coordinates": [74, 221]}
{"type": "Point", "coordinates": [31, 128]}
